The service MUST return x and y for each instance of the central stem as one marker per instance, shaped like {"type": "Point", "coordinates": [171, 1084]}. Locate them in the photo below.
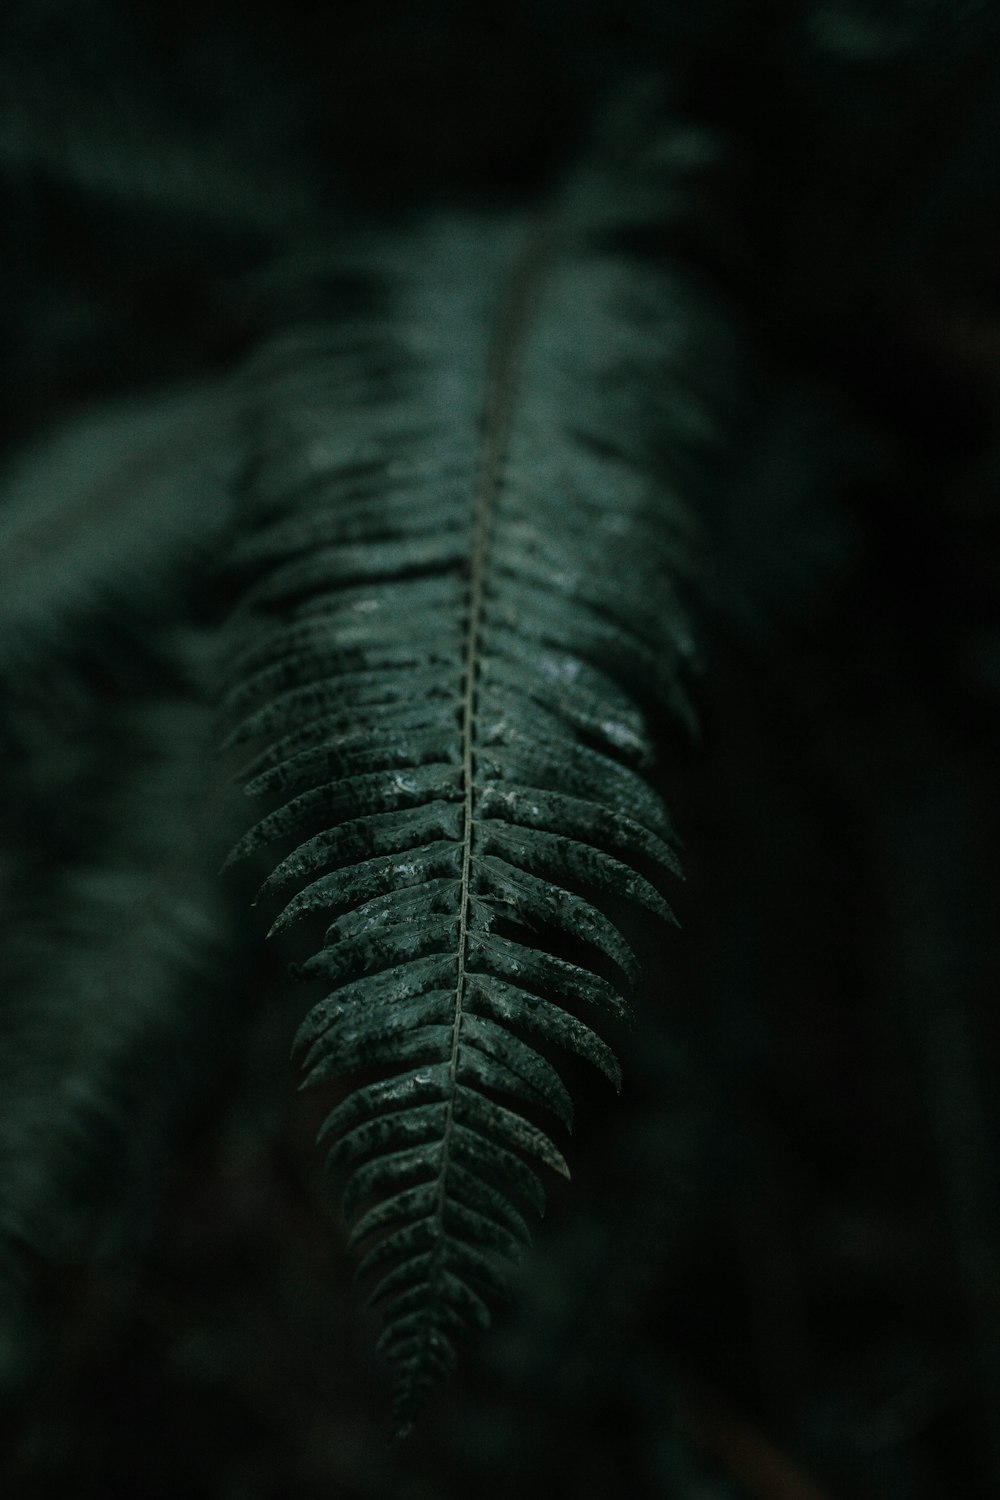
{"type": "Point", "coordinates": [514, 317]}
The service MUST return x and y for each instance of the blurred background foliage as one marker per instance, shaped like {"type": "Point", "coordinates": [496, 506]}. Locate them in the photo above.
{"type": "Point", "coordinates": [775, 1275]}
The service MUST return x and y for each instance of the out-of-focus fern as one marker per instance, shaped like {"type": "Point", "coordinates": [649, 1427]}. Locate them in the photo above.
{"type": "Point", "coordinates": [462, 613]}
{"type": "Point", "coordinates": [119, 973]}
{"type": "Point", "coordinates": [54, 129]}
{"type": "Point", "coordinates": [109, 522]}
{"type": "Point", "coordinates": [119, 966]}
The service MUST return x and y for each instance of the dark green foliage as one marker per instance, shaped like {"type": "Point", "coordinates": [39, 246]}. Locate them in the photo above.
{"type": "Point", "coordinates": [119, 985]}
{"type": "Point", "coordinates": [361, 417]}
{"type": "Point", "coordinates": [461, 615]}
{"type": "Point", "coordinates": [112, 518]}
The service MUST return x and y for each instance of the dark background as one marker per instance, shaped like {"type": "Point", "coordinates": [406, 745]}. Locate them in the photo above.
{"type": "Point", "coordinates": [775, 1273]}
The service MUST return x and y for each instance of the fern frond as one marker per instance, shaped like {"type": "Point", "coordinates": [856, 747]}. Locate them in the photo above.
{"type": "Point", "coordinates": [118, 985]}
{"type": "Point", "coordinates": [460, 619]}
{"type": "Point", "coordinates": [108, 518]}
{"type": "Point", "coordinates": [131, 152]}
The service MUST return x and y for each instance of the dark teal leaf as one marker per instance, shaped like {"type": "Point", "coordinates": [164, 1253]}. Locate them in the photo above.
{"type": "Point", "coordinates": [364, 838]}
{"type": "Point", "coordinates": [522, 1008]}
{"type": "Point", "coordinates": [390, 986]}
{"type": "Point", "coordinates": [354, 796]}
{"type": "Point", "coordinates": [389, 1172]}
{"type": "Point", "coordinates": [555, 855]}
{"type": "Point", "coordinates": [395, 1045]}
{"type": "Point", "coordinates": [534, 904]}
{"type": "Point", "coordinates": [460, 616]}
{"type": "Point", "coordinates": [401, 1128]}
{"type": "Point", "coordinates": [554, 812]}
{"type": "Point", "coordinates": [542, 1084]}
{"type": "Point", "coordinates": [530, 968]}
{"type": "Point", "coordinates": [497, 1123]}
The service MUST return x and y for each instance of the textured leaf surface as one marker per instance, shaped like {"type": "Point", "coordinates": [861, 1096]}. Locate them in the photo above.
{"type": "Point", "coordinates": [459, 617]}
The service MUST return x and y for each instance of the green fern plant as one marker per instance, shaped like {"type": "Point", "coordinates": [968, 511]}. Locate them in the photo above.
{"type": "Point", "coordinates": [463, 487]}
{"type": "Point", "coordinates": [460, 618]}
{"type": "Point", "coordinates": [460, 542]}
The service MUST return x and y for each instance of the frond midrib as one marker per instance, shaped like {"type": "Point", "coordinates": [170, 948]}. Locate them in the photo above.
{"type": "Point", "coordinates": [499, 416]}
